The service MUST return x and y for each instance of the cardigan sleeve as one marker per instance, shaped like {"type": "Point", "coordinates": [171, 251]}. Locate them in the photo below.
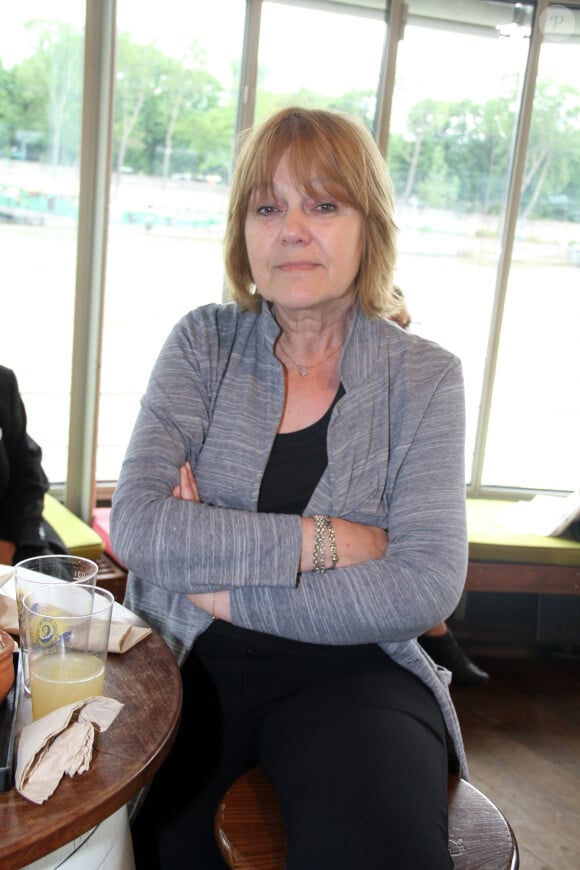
{"type": "Point", "coordinates": [179, 545]}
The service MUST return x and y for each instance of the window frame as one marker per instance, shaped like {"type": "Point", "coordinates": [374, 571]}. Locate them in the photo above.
{"type": "Point", "coordinates": [82, 491]}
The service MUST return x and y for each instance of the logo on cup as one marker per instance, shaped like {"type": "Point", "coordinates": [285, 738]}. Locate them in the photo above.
{"type": "Point", "coordinates": [45, 633]}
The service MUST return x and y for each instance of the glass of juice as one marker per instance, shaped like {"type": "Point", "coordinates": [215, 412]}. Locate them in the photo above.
{"type": "Point", "coordinates": [41, 570]}
{"type": "Point", "coordinates": [67, 628]}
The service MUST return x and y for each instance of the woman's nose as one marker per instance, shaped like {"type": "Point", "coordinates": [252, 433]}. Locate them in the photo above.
{"type": "Point", "coordinates": [295, 227]}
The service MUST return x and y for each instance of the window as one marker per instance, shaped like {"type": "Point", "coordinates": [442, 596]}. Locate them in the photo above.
{"type": "Point", "coordinates": [175, 99]}
{"type": "Point", "coordinates": [316, 57]}
{"type": "Point", "coordinates": [449, 152]}
{"type": "Point", "coordinates": [482, 137]}
{"type": "Point", "coordinates": [41, 84]}
{"type": "Point", "coordinates": [534, 428]}
{"type": "Point", "coordinates": [453, 155]}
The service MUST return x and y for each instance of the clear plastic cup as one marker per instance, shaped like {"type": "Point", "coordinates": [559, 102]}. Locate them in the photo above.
{"type": "Point", "coordinates": [41, 570]}
{"type": "Point", "coordinates": [67, 629]}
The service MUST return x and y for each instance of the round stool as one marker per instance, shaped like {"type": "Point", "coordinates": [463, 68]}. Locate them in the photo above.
{"type": "Point", "coordinates": [250, 833]}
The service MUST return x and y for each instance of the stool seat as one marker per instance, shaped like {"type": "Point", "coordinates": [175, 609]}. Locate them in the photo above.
{"type": "Point", "coordinates": [250, 833]}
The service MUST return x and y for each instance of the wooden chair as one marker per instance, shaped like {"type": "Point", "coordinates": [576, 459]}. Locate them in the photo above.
{"type": "Point", "coordinates": [251, 836]}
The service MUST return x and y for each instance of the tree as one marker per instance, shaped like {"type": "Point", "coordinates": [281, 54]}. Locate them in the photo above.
{"type": "Point", "coordinates": [477, 142]}
{"type": "Point", "coordinates": [555, 126]}
{"type": "Point", "coordinates": [426, 118]}
{"type": "Point", "coordinates": [48, 89]}
{"type": "Point", "coordinates": [439, 189]}
{"type": "Point", "coordinates": [206, 139]}
{"type": "Point", "coordinates": [360, 103]}
{"type": "Point", "coordinates": [138, 74]}
{"type": "Point", "coordinates": [192, 90]}
{"type": "Point", "coordinates": [185, 91]}
{"type": "Point", "coordinates": [173, 115]}
{"type": "Point", "coordinates": [7, 125]}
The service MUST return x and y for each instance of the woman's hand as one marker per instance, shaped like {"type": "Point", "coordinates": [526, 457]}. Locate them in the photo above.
{"type": "Point", "coordinates": [186, 489]}
{"type": "Point", "coordinates": [355, 542]}
{"type": "Point", "coordinates": [217, 604]}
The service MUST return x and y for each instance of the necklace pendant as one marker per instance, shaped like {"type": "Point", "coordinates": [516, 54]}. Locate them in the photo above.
{"type": "Point", "coordinates": [303, 371]}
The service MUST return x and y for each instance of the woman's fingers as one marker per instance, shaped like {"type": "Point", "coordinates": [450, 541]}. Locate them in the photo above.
{"type": "Point", "coordinates": [186, 489]}
{"type": "Point", "coordinates": [188, 485]}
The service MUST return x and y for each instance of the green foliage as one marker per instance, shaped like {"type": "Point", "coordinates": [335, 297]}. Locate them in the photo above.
{"type": "Point", "coordinates": [7, 123]}
{"type": "Point", "coordinates": [172, 116]}
{"type": "Point", "coordinates": [44, 96]}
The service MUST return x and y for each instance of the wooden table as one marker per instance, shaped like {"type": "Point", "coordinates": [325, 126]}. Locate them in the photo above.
{"type": "Point", "coordinates": [147, 680]}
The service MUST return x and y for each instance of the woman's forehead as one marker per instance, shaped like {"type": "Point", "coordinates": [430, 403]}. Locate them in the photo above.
{"type": "Point", "coordinates": [312, 175]}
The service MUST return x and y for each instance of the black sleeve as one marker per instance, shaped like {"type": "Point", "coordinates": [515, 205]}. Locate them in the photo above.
{"type": "Point", "coordinates": [22, 478]}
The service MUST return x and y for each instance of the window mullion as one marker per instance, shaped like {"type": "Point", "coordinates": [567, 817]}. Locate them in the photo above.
{"type": "Point", "coordinates": [507, 242]}
{"type": "Point", "coordinates": [95, 167]}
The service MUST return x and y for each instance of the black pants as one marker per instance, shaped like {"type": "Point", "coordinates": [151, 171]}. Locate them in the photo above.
{"type": "Point", "coordinates": [354, 744]}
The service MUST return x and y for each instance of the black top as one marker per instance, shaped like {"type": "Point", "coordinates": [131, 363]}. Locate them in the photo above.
{"type": "Point", "coordinates": [296, 464]}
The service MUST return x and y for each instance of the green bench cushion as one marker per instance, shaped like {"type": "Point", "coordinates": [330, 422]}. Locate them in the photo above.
{"type": "Point", "coordinates": [489, 541]}
{"type": "Point", "coordinates": [77, 536]}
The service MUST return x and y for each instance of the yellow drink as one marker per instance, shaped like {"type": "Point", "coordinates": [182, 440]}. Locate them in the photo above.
{"type": "Point", "coordinates": [59, 680]}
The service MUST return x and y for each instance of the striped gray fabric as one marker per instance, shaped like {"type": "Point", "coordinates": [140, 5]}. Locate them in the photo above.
{"type": "Point", "coordinates": [395, 459]}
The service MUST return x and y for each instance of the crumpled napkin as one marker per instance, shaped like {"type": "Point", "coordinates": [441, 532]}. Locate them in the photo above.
{"type": "Point", "coordinates": [123, 636]}
{"type": "Point", "coordinates": [59, 744]}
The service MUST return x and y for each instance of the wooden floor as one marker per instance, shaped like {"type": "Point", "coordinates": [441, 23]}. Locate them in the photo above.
{"type": "Point", "coordinates": [522, 735]}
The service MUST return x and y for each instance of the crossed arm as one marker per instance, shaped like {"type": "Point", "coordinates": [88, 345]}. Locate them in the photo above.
{"type": "Point", "coordinates": [356, 543]}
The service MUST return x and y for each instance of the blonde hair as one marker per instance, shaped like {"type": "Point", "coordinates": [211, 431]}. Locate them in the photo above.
{"type": "Point", "coordinates": [339, 149]}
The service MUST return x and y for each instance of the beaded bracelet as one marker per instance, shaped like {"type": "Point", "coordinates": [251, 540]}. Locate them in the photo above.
{"type": "Point", "coordinates": [323, 525]}
{"type": "Point", "coordinates": [318, 562]}
{"type": "Point", "coordinates": [331, 542]}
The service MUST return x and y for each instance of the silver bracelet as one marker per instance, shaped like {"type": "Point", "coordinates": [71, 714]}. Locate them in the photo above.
{"type": "Point", "coordinates": [323, 528]}
{"type": "Point", "coordinates": [331, 542]}
{"type": "Point", "coordinates": [318, 563]}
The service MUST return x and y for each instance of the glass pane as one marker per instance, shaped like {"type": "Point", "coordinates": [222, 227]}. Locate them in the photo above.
{"type": "Point", "coordinates": [452, 132]}
{"type": "Point", "coordinates": [535, 422]}
{"type": "Point", "coordinates": [41, 83]}
{"type": "Point", "coordinates": [176, 87]}
{"type": "Point", "coordinates": [312, 57]}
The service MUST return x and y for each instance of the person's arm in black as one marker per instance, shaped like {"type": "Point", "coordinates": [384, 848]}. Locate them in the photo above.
{"type": "Point", "coordinates": [23, 479]}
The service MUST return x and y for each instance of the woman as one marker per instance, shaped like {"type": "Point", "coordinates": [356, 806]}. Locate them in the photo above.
{"type": "Point", "coordinates": [310, 425]}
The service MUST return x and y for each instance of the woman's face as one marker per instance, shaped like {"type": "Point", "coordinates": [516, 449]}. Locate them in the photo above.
{"type": "Point", "coordinates": [303, 252]}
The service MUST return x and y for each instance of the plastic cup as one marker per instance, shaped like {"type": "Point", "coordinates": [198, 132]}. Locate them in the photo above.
{"type": "Point", "coordinates": [67, 629]}
{"type": "Point", "coordinates": [40, 570]}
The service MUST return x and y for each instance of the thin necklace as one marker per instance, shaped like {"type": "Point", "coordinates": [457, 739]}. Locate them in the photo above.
{"type": "Point", "coordinates": [305, 370]}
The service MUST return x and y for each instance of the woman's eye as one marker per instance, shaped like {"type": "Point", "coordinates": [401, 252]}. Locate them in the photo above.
{"type": "Point", "coordinates": [266, 210]}
{"type": "Point", "coordinates": [326, 207]}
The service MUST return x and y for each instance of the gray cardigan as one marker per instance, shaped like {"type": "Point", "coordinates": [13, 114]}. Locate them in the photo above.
{"type": "Point", "coordinates": [395, 459]}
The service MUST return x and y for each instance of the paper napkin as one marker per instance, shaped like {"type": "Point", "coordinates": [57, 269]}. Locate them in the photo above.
{"type": "Point", "coordinates": [60, 744]}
